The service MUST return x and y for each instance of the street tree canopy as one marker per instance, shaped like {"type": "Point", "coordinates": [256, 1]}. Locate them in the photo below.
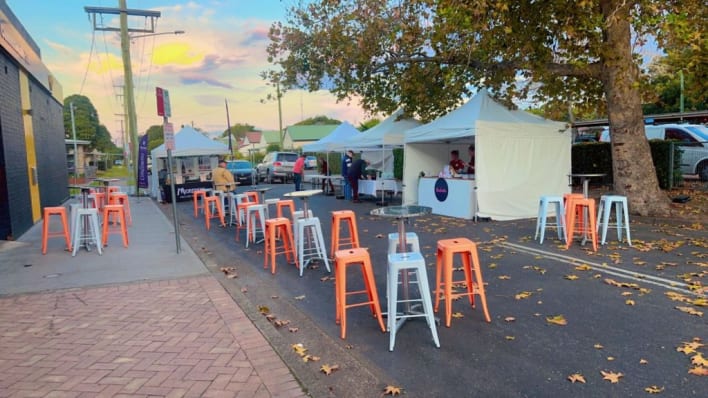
{"type": "Point", "coordinates": [426, 56]}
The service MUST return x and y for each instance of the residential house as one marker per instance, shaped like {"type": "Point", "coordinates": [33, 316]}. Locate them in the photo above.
{"type": "Point", "coordinates": [300, 135]}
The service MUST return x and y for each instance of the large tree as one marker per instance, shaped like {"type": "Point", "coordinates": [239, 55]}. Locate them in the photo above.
{"type": "Point", "coordinates": [87, 124]}
{"type": "Point", "coordinates": [426, 55]}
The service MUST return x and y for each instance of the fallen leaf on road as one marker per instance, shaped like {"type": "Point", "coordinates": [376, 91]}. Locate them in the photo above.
{"type": "Point", "coordinates": [571, 277]}
{"type": "Point", "coordinates": [611, 376]}
{"type": "Point", "coordinates": [698, 371]}
{"type": "Point", "coordinates": [654, 389]}
{"type": "Point", "coordinates": [392, 390]}
{"type": "Point", "coordinates": [293, 330]}
{"type": "Point", "coordinates": [690, 311]}
{"type": "Point", "coordinates": [299, 349]}
{"type": "Point", "coordinates": [328, 369]}
{"type": "Point", "coordinates": [577, 377]}
{"type": "Point", "coordinates": [557, 320]}
{"type": "Point", "coordinates": [300, 297]}
{"type": "Point", "coordinates": [510, 319]}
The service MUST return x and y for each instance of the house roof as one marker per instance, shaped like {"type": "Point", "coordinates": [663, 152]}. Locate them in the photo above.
{"type": "Point", "coordinates": [311, 132]}
{"type": "Point", "coordinates": [254, 137]}
{"type": "Point", "coordinates": [272, 136]}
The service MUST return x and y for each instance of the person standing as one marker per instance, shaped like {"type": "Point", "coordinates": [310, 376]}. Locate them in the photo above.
{"type": "Point", "coordinates": [470, 165]}
{"type": "Point", "coordinates": [324, 170]}
{"type": "Point", "coordinates": [298, 169]}
{"type": "Point", "coordinates": [355, 173]}
{"type": "Point", "coordinates": [223, 179]}
{"type": "Point", "coordinates": [346, 164]}
{"type": "Point", "coordinates": [456, 164]}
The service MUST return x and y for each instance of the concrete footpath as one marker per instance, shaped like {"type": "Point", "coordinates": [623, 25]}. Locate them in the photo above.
{"type": "Point", "coordinates": [136, 321]}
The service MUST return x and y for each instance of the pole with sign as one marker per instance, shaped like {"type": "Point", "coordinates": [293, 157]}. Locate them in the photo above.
{"type": "Point", "coordinates": [164, 110]}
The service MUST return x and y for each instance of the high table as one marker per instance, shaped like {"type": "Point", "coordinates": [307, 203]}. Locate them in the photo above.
{"type": "Point", "coordinates": [106, 182]}
{"type": "Point", "coordinates": [403, 213]}
{"type": "Point", "coordinates": [85, 190]}
{"type": "Point", "coordinates": [305, 195]}
{"type": "Point", "coordinates": [261, 192]}
{"type": "Point", "coordinates": [585, 179]}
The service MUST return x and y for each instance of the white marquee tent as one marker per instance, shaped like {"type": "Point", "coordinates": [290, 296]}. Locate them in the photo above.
{"type": "Point", "coordinates": [343, 132]}
{"type": "Point", "coordinates": [376, 143]}
{"type": "Point", "coordinates": [189, 144]}
{"type": "Point", "coordinates": [518, 156]}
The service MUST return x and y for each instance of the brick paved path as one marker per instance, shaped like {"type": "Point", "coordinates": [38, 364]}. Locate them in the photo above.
{"type": "Point", "coordinates": [178, 338]}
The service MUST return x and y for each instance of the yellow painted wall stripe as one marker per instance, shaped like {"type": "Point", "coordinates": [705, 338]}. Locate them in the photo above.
{"type": "Point", "coordinates": [29, 146]}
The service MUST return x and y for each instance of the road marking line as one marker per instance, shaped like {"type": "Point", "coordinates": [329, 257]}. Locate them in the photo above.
{"type": "Point", "coordinates": [619, 272]}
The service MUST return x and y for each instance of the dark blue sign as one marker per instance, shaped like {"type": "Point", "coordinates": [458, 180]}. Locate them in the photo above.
{"type": "Point", "coordinates": [142, 162]}
{"type": "Point", "coordinates": [441, 189]}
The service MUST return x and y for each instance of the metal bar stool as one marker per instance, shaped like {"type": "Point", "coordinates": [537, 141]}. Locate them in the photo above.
{"type": "Point", "coordinates": [198, 195]}
{"type": "Point", "coordinates": [274, 227]}
{"type": "Point", "coordinates": [86, 232]}
{"type": "Point", "coordinates": [541, 220]}
{"type": "Point", "coordinates": [621, 216]}
{"type": "Point", "coordinates": [46, 233]}
{"type": "Point", "coordinates": [580, 209]}
{"type": "Point", "coordinates": [343, 259]}
{"type": "Point", "coordinates": [447, 249]}
{"type": "Point", "coordinates": [352, 239]}
{"type": "Point", "coordinates": [208, 215]}
{"type": "Point", "coordinates": [112, 225]}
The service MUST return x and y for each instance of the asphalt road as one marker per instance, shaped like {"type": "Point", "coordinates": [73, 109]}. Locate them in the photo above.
{"type": "Point", "coordinates": [619, 316]}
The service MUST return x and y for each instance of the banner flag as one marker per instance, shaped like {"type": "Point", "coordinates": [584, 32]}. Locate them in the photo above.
{"type": "Point", "coordinates": [142, 162]}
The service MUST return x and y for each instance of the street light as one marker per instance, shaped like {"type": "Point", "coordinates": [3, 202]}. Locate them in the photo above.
{"type": "Point", "coordinates": [176, 32]}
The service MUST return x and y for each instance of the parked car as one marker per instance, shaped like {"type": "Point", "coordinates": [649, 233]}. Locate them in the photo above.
{"type": "Point", "coordinates": [693, 141]}
{"type": "Point", "coordinates": [243, 171]}
{"type": "Point", "coordinates": [276, 165]}
{"type": "Point", "coordinates": [310, 162]}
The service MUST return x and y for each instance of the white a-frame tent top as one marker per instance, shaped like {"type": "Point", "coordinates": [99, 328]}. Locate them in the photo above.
{"type": "Point", "coordinates": [343, 132]}
{"type": "Point", "coordinates": [518, 156]}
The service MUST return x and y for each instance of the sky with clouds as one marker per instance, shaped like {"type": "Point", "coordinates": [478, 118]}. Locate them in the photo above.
{"type": "Point", "coordinates": [217, 59]}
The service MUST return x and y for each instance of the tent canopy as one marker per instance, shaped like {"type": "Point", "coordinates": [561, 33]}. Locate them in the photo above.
{"type": "Point", "coordinates": [190, 142]}
{"type": "Point", "coordinates": [390, 132]}
{"type": "Point", "coordinates": [343, 132]}
{"type": "Point", "coordinates": [461, 124]}
{"type": "Point", "coordinates": [519, 156]}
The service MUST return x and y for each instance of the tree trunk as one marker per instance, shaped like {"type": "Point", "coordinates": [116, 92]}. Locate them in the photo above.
{"type": "Point", "coordinates": [632, 166]}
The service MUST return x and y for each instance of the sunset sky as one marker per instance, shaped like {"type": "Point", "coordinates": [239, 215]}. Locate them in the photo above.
{"type": "Point", "coordinates": [218, 58]}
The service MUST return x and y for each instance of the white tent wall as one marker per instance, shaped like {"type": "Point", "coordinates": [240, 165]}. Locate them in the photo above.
{"type": "Point", "coordinates": [380, 159]}
{"type": "Point", "coordinates": [516, 165]}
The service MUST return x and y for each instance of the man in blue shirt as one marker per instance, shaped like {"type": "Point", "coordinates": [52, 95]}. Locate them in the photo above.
{"type": "Point", "coordinates": [346, 163]}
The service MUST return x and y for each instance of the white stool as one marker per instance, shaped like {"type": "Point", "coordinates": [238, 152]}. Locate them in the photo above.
{"type": "Point", "coordinates": [297, 215]}
{"type": "Point", "coordinates": [73, 207]}
{"type": "Point", "coordinates": [85, 232]}
{"type": "Point", "coordinates": [309, 233]}
{"type": "Point", "coordinates": [231, 198]}
{"type": "Point", "coordinates": [251, 228]}
{"type": "Point", "coordinates": [270, 202]}
{"type": "Point", "coordinates": [621, 216]}
{"type": "Point", "coordinates": [411, 240]}
{"type": "Point", "coordinates": [541, 223]}
{"type": "Point", "coordinates": [405, 262]}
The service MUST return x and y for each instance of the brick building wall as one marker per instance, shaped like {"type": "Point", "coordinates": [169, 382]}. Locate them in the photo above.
{"type": "Point", "coordinates": [17, 218]}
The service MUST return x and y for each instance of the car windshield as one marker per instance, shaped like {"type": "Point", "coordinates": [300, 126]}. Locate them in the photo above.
{"type": "Point", "coordinates": [240, 165]}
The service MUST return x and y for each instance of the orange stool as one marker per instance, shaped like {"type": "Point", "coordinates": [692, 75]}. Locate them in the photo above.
{"type": "Point", "coordinates": [289, 203]}
{"type": "Point", "coordinates": [567, 199]}
{"type": "Point", "coordinates": [97, 200]}
{"type": "Point", "coordinates": [447, 248]}
{"type": "Point", "coordinates": [584, 211]}
{"type": "Point", "coordinates": [208, 200]}
{"type": "Point", "coordinates": [112, 189]}
{"type": "Point", "coordinates": [352, 240]}
{"type": "Point", "coordinates": [46, 233]}
{"type": "Point", "coordinates": [196, 196]}
{"type": "Point", "coordinates": [109, 212]}
{"type": "Point", "coordinates": [120, 198]}
{"type": "Point", "coordinates": [342, 259]}
{"type": "Point", "coordinates": [253, 197]}
{"type": "Point", "coordinates": [278, 227]}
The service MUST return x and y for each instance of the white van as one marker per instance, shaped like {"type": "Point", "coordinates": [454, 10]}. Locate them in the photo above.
{"type": "Point", "coordinates": [693, 141]}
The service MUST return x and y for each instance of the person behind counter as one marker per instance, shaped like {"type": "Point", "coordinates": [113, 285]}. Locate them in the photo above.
{"type": "Point", "coordinates": [324, 170]}
{"type": "Point", "coordinates": [470, 165]}
{"type": "Point", "coordinates": [456, 164]}
{"type": "Point", "coordinates": [355, 173]}
{"type": "Point", "coordinates": [346, 164]}
{"type": "Point", "coordinates": [223, 179]}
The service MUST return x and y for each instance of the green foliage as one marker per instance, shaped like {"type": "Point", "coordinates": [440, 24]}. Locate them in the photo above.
{"type": "Point", "coordinates": [368, 124]}
{"type": "Point", "coordinates": [273, 147]}
{"type": "Point", "coordinates": [321, 120]}
{"type": "Point", "coordinates": [238, 130]}
{"type": "Point", "coordinates": [155, 136]}
{"type": "Point", "coordinates": [662, 91]}
{"type": "Point", "coordinates": [398, 163]}
{"type": "Point", "coordinates": [596, 158]}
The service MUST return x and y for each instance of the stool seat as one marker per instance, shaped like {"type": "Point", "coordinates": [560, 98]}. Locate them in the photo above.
{"type": "Point", "coordinates": [342, 260]}
{"type": "Point", "coordinates": [48, 212]}
{"type": "Point", "coordinates": [444, 282]}
{"type": "Point", "coordinates": [120, 198]}
{"type": "Point", "coordinates": [411, 240]}
{"type": "Point", "coordinates": [604, 210]}
{"type": "Point", "coordinates": [405, 262]}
